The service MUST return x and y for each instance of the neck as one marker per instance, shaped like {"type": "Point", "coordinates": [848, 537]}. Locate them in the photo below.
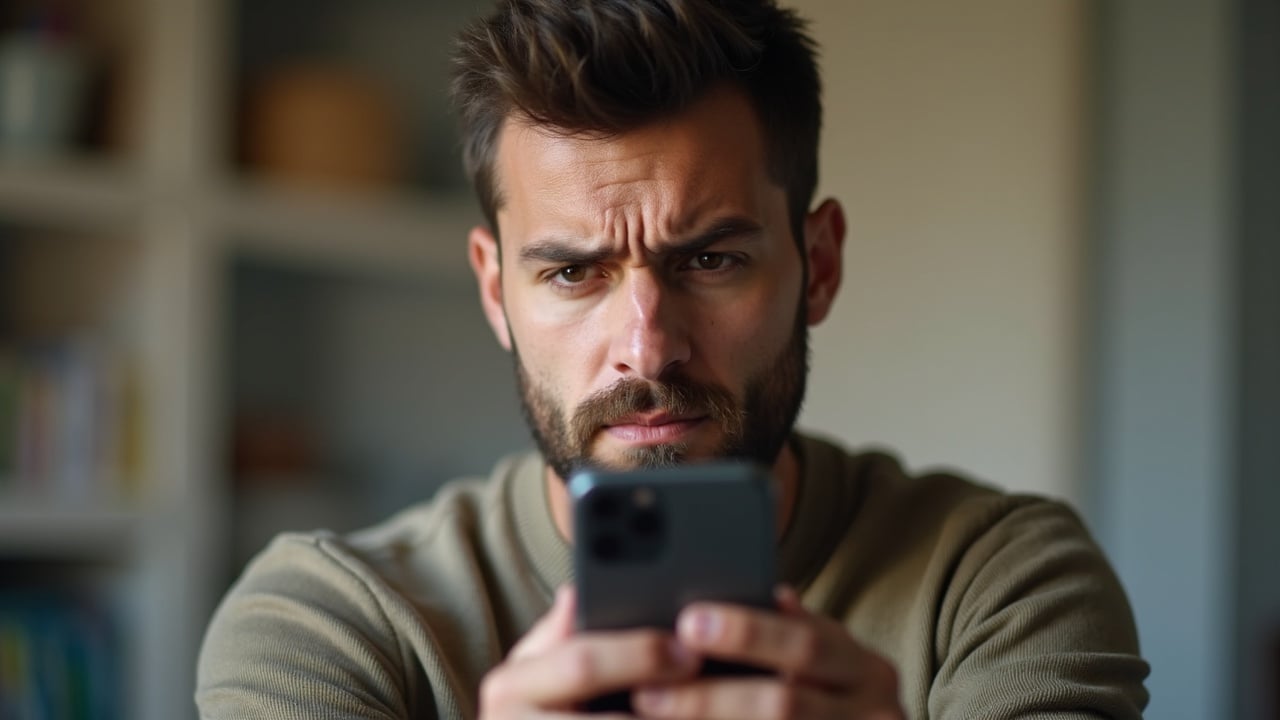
{"type": "Point", "coordinates": [786, 472]}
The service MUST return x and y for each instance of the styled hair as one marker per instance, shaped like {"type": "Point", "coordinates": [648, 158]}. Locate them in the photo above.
{"type": "Point", "coordinates": [603, 67]}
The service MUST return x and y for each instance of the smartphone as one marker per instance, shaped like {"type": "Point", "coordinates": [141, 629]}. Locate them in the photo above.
{"type": "Point", "coordinates": [649, 542]}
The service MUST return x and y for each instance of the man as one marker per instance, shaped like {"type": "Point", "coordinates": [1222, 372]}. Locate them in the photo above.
{"type": "Point", "coordinates": [652, 262]}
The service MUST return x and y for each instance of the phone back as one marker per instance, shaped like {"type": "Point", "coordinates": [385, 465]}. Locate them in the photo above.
{"type": "Point", "coordinates": [649, 542]}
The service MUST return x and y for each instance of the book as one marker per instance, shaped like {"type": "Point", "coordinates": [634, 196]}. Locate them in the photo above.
{"type": "Point", "coordinates": [60, 657]}
{"type": "Point", "coordinates": [69, 422]}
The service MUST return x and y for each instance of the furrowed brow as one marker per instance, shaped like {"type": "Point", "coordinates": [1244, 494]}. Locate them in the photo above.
{"type": "Point", "coordinates": [722, 230]}
{"type": "Point", "coordinates": [569, 252]}
{"type": "Point", "coordinates": [557, 252]}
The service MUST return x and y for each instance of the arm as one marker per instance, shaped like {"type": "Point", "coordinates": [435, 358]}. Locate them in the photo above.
{"type": "Point", "coordinates": [1035, 624]}
{"type": "Point", "coordinates": [300, 635]}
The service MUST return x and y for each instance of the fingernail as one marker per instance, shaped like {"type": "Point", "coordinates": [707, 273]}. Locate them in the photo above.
{"type": "Point", "coordinates": [700, 625]}
{"type": "Point", "coordinates": [680, 655]}
{"type": "Point", "coordinates": [653, 700]}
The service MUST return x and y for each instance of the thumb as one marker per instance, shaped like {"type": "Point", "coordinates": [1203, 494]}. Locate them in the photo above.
{"type": "Point", "coordinates": [551, 628]}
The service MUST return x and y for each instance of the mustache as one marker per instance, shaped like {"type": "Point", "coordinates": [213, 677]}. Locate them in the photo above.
{"type": "Point", "coordinates": [676, 396]}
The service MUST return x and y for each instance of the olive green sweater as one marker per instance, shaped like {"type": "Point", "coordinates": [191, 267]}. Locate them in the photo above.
{"type": "Point", "coordinates": [989, 605]}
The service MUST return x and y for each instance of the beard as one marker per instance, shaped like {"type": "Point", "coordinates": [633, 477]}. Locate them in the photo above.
{"type": "Point", "coordinates": [753, 428]}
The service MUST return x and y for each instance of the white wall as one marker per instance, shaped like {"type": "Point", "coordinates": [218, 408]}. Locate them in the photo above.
{"type": "Point", "coordinates": [954, 137]}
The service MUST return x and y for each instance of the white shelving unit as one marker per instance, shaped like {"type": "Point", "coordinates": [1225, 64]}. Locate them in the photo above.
{"type": "Point", "coordinates": [80, 192]}
{"type": "Point", "coordinates": [175, 199]}
{"type": "Point", "coordinates": [45, 531]}
{"type": "Point", "coordinates": [407, 233]}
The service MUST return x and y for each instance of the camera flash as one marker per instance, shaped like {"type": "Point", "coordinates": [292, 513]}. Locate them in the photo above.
{"type": "Point", "coordinates": [643, 497]}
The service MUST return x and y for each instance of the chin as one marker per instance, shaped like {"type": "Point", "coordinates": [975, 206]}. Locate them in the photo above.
{"type": "Point", "coordinates": [656, 456]}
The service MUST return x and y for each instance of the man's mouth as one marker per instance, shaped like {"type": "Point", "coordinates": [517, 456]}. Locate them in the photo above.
{"type": "Point", "coordinates": [653, 428]}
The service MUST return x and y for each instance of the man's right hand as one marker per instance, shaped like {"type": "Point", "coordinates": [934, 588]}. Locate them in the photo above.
{"type": "Point", "coordinates": [552, 671]}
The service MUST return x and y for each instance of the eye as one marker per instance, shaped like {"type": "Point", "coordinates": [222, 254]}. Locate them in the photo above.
{"type": "Point", "coordinates": [572, 274]}
{"type": "Point", "coordinates": [711, 262]}
{"type": "Point", "coordinates": [574, 278]}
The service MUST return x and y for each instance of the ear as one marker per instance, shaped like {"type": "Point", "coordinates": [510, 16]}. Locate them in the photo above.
{"type": "Point", "coordinates": [824, 243]}
{"type": "Point", "coordinates": [482, 251]}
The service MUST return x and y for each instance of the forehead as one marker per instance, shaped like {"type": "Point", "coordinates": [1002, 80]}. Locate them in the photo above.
{"type": "Point", "coordinates": [711, 155]}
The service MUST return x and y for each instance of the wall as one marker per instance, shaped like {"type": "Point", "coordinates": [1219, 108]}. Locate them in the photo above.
{"type": "Point", "coordinates": [1257, 534]}
{"type": "Point", "coordinates": [1165, 307]}
{"type": "Point", "coordinates": [954, 137]}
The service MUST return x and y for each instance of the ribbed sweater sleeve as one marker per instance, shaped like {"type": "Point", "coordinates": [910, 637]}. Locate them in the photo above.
{"type": "Point", "coordinates": [1034, 624]}
{"type": "Point", "coordinates": [301, 636]}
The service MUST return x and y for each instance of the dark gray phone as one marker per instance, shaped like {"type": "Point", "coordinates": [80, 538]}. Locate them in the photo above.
{"type": "Point", "coordinates": [649, 542]}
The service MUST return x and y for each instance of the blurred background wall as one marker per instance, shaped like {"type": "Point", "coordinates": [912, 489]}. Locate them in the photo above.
{"type": "Point", "coordinates": [235, 301]}
{"type": "Point", "coordinates": [955, 137]}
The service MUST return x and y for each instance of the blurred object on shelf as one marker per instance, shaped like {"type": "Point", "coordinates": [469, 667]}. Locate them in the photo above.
{"type": "Point", "coordinates": [44, 78]}
{"type": "Point", "coordinates": [71, 395]}
{"type": "Point", "coordinates": [324, 125]}
{"type": "Point", "coordinates": [69, 412]}
{"type": "Point", "coordinates": [60, 657]}
{"type": "Point", "coordinates": [272, 447]}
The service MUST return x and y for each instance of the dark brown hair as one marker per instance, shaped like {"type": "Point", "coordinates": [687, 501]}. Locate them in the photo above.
{"type": "Point", "coordinates": [601, 67]}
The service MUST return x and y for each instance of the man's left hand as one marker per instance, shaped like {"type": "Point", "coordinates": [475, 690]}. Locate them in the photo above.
{"type": "Point", "coordinates": [819, 670]}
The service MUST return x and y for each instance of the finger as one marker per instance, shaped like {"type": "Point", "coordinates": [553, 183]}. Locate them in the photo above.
{"type": "Point", "coordinates": [795, 644]}
{"type": "Point", "coordinates": [867, 669]}
{"type": "Point", "coordinates": [588, 665]}
{"type": "Point", "coordinates": [554, 627]}
{"type": "Point", "coordinates": [788, 600]}
{"type": "Point", "coordinates": [755, 698]}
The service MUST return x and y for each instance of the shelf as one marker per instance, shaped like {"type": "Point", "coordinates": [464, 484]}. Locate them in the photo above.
{"type": "Point", "coordinates": [36, 528]}
{"type": "Point", "coordinates": [79, 192]}
{"type": "Point", "coordinates": [394, 233]}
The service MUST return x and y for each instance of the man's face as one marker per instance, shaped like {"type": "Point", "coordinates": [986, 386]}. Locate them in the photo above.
{"type": "Point", "coordinates": [650, 290]}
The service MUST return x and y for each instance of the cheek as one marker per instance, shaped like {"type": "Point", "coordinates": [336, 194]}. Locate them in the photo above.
{"type": "Point", "coordinates": [745, 338]}
{"type": "Point", "coordinates": [558, 352]}
{"type": "Point", "coordinates": [749, 333]}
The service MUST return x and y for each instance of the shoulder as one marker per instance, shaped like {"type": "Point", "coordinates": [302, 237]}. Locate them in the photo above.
{"type": "Point", "coordinates": [304, 614]}
{"type": "Point", "coordinates": [961, 547]}
{"type": "Point", "coordinates": [932, 509]}
{"type": "Point", "coordinates": [967, 586]}
{"type": "Point", "coordinates": [365, 612]}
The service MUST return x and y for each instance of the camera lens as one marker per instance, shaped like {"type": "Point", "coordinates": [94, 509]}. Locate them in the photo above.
{"type": "Point", "coordinates": [606, 547]}
{"type": "Point", "coordinates": [646, 523]}
{"type": "Point", "coordinates": [604, 504]}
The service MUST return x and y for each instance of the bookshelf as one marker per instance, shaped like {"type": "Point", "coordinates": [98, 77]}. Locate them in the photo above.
{"type": "Point", "coordinates": [214, 292]}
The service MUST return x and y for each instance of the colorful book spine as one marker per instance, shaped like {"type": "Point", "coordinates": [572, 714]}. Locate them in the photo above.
{"type": "Point", "coordinates": [60, 659]}
{"type": "Point", "coordinates": [67, 423]}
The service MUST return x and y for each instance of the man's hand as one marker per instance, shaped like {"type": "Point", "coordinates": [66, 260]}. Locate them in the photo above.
{"type": "Point", "coordinates": [820, 671]}
{"type": "Point", "coordinates": [552, 671]}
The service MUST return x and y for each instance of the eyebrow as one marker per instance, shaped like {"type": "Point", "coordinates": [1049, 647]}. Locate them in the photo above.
{"type": "Point", "coordinates": [559, 251]}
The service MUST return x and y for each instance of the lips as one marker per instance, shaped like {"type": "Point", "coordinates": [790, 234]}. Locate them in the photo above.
{"type": "Point", "coordinates": [652, 428]}
{"type": "Point", "coordinates": [650, 419]}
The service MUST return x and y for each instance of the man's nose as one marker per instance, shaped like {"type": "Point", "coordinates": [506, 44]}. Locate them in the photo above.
{"type": "Point", "coordinates": [649, 331]}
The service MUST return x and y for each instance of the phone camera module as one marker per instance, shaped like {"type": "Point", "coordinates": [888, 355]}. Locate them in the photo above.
{"type": "Point", "coordinates": [646, 523]}
{"type": "Point", "coordinates": [605, 505]}
{"type": "Point", "coordinates": [606, 547]}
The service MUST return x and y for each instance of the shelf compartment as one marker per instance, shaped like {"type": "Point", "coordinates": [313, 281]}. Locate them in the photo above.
{"type": "Point", "coordinates": [74, 192]}
{"type": "Point", "coordinates": [393, 234]}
